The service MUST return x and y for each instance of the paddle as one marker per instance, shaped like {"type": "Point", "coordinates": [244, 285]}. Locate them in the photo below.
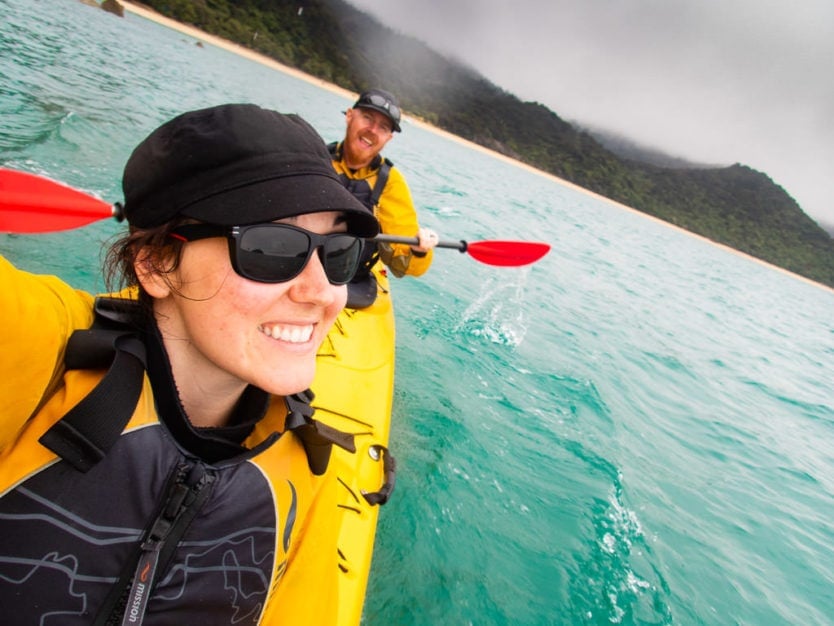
{"type": "Point", "coordinates": [490, 252]}
{"type": "Point", "coordinates": [34, 204]}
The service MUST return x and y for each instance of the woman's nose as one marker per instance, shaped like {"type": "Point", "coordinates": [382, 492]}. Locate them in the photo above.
{"type": "Point", "coordinates": [312, 283]}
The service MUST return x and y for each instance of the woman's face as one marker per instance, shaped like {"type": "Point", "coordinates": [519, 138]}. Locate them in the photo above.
{"type": "Point", "coordinates": [223, 331]}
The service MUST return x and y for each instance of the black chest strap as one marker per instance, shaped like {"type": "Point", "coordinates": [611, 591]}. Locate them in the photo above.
{"type": "Point", "coordinates": [317, 438]}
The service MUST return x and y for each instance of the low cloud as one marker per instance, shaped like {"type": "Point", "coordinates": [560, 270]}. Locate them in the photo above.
{"type": "Point", "coordinates": [746, 81]}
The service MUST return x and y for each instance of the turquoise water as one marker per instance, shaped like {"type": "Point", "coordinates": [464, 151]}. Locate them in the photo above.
{"type": "Point", "coordinates": [639, 429]}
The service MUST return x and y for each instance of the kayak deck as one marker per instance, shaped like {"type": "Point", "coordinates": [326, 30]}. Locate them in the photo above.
{"type": "Point", "coordinates": [353, 392]}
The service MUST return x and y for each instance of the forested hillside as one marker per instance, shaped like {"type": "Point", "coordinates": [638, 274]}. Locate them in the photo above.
{"type": "Point", "coordinates": [735, 205]}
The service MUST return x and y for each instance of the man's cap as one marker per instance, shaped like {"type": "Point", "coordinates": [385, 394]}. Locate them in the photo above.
{"type": "Point", "coordinates": [234, 165]}
{"type": "Point", "coordinates": [382, 101]}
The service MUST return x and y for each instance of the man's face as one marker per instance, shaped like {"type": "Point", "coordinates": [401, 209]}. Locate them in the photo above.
{"type": "Point", "coordinates": [367, 133]}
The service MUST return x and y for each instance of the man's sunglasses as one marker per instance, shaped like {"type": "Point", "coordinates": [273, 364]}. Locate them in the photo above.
{"type": "Point", "coordinates": [276, 253]}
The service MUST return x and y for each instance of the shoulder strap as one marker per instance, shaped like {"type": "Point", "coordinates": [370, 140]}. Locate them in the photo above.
{"type": "Point", "coordinates": [87, 432]}
{"type": "Point", "coordinates": [381, 181]}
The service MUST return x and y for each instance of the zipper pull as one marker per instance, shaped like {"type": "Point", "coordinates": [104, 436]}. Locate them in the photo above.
{"type": "Point", "coordinates": [140, 590]}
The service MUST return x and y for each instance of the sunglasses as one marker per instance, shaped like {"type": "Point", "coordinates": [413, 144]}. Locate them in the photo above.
{"type": "Point", "coordinates": [381, 102]}
{"type": "Point", "coordinates": [276, 253]}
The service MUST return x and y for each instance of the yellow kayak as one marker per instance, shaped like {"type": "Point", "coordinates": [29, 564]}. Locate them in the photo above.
{"type": "Point", "coordinates": [354, 386]}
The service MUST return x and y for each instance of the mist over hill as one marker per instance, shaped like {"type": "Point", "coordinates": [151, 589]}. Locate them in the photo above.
{"type": "Point", "coordinates": [828, 227]}
{"type": "Point", "coordinates": [631, 150]}
{"type": "Point", "coordinates": [330, 39]}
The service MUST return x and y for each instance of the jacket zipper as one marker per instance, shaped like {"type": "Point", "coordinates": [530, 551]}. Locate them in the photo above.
{"type": "Point", "coordinates": [184, 499]}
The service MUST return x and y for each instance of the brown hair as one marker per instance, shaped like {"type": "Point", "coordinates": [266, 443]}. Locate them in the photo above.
{"type": "Point", "coordinates": [161, 251]}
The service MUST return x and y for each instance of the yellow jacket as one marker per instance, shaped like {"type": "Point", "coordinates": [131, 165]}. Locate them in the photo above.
{"type": "Point", "coordinates": [396, 214]}
{"type": "Point", "coordinates": [260, 549]}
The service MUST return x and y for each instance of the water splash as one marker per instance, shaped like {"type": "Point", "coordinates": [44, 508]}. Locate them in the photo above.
{"type": "Point", "coordinates": [498, 313]}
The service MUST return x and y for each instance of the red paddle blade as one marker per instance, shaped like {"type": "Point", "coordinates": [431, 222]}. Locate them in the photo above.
{"type": "Point", "coordinates": [507, 253]}
{"type": "Point", "coordinates": [34, 204]}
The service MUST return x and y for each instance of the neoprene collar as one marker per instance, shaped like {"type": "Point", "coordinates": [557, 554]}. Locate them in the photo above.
{"type": "Point", "coordinates": [210, 444]}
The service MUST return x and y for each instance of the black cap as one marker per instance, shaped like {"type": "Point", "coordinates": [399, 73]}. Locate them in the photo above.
{"type": "Point", "coordinates": [382, 101]}
{"type": "Point", "coordinates": [234, 165]}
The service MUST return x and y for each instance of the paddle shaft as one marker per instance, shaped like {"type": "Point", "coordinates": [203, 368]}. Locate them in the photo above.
{"type": "Point", "coordinates": [461, 245]}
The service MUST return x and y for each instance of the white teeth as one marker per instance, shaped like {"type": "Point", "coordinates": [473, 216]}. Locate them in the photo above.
{"type": "Point", "coordinates": [290, 334]}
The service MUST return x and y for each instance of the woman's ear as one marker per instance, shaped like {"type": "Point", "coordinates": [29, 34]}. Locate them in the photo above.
{"type": "Point", "coordinates": [150, 270]}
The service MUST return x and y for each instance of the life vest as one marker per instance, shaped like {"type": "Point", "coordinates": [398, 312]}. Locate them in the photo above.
{"type": "Point", "coordinates": [360, 188]}
{"type": "Point", "coordinates": [102, 521]}
{"type": "Point", "coordinates": [368, 196]}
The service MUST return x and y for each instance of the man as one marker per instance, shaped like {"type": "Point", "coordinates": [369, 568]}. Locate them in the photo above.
{"type": "Point", "coordinates": [373, 179]}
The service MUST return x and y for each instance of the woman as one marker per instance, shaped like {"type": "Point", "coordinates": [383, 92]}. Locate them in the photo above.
{"type": "Point", "coordinates": [166, 470]}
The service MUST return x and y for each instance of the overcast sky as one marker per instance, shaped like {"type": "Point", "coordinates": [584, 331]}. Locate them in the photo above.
{"type": "Point", "coordinates": [712, 81]}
